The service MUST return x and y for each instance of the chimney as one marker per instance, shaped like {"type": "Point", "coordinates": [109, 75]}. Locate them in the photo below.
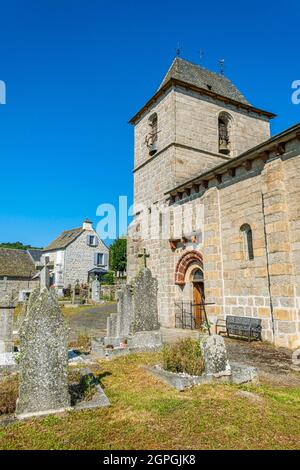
{"type": "Point", "coordinates": [87, 225]}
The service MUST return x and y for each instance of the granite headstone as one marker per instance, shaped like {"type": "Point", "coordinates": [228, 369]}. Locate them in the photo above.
{"type": "Point", "coordinates": [96, 291]}
{"type": "Point", "coordinates": [43, 363]}
{"type": "Point", "coordinates": [215, 355]}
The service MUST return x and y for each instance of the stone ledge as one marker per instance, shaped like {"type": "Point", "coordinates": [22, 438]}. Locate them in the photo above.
{"type": "Point", "coordinates": [239, 374]}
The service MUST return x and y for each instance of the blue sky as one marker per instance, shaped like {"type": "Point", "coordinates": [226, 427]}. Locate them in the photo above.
{"type": "Point", "coordinates": [77, 70]}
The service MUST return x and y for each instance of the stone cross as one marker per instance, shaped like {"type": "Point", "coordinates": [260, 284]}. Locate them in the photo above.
{"type": "Point", "coordinates": [44, 276]}
{"type": "Point", "coordinates": [43, 363]}
{"type": "Point", "coordinates": [144, 255]}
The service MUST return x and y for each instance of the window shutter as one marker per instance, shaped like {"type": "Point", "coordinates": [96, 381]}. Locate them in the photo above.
{"type": "Point", "coordinates": [96, 240]}
{"type": "Point", "coordinates": [87, 239]}
{"type": "Point", "coordinates": [105, 259]}
{"type": "Point", "coordinates": [96, 259]}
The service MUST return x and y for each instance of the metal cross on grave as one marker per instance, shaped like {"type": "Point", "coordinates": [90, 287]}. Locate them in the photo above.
{"type": "Point", "coordinates": [144, 255]}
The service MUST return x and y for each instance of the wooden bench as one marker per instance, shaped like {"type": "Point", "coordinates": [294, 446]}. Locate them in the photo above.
{"type": "Point", "coordinates": [247, 327]}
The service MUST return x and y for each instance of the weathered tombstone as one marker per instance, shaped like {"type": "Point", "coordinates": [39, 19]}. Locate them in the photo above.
{"type": "Point", "coordinates": [96, 291]}
{"type": "Point", "coordinates": [125, 308]}
{"type": "Point", "coordinates": [76, 293]}
{"type": "Point", "coordinates": [145, 327]}
{"type": "Point", "coordinates": [136, 322]}
{"type": "Point", "coordinates": [215, 355]}
{"type": "Point", "coordinates": [44, 276]}
{"type": "Point", "coordinates": [6, 329]}
{"type": "Point", "coordinates": [145, 310]}
{"type": "Point", "coordinates": [43, 359]}
{"type": "Point", "coordinates": [112, 337]}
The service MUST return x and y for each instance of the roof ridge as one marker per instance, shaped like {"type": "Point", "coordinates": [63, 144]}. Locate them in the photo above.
{"type": "Point", "coordinates": [71, 230]}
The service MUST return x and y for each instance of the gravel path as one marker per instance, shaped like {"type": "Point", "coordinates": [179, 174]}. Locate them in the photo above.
{"type": "Point", "coordinates": [91, 321]}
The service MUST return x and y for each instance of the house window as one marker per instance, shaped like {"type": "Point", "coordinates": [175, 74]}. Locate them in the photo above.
{"type": "Point", "coordinates": [99, 259]}
{"type": "Point", "coordinates": [224, 128]}
{"type": "Point", "coordinates": [248, 241]}
{"type": "Point", "coordinates": [92, 240]}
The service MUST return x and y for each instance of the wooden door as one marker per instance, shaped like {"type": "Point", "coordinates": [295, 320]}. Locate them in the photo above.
{"type": "Point", "coordinates": [198, 299]}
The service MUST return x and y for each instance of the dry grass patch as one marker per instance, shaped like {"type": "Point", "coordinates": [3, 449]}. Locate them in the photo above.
{"type": "Point", "coordinates": [147, 414]}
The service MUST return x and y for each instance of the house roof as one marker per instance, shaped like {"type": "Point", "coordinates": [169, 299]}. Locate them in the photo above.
{"type": "Point", "coordinates": [35, 254]}
{"type": "Point", "coordinates": [193, 74]}
{"type": "Point", "coordinates": [64, 239]}
{"type": "Point", "coordinates": [16, 263]}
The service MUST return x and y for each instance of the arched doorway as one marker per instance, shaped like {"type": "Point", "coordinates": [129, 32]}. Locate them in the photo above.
{"type": "Point", "coordinates": [198, 297]}
{"type": "Point", "coordinates": [189, 308]}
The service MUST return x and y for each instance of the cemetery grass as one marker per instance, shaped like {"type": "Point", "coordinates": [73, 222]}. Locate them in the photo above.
{"type": "Point", "coordinates": [147, 414]}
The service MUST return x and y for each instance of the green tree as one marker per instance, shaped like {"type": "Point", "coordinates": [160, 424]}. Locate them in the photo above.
{"type": "Point", "coordinates": [118, 255]}
{"type": "Point", "coordinates": [18, 246]}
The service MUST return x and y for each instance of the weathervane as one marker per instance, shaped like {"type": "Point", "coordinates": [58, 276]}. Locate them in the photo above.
{"type": "Point", "coordinates": [222, 66]}
{"type": "Point", "coordinates": [201, 54]}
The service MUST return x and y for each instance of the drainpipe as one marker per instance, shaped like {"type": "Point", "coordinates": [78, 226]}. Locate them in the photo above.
{"type": "Point", "coordinates": [268, 266]}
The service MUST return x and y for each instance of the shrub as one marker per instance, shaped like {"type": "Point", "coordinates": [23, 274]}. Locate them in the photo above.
{"type": "Point", "coordinates": [108, 278]}
{"type": "Point", "coordinates": [183, 356]}
{"type": "Point", "coordinates": [84, 342]}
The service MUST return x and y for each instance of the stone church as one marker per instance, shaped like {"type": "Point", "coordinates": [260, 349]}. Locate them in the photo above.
{"type": "Point", "coordinates": [217, 205]}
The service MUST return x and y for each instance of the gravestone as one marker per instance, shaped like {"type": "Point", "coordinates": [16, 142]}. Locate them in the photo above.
{"type": "Point", "coordinates": [112, 337]}
{"type": "Point", "coordinates": [125, 307]}
{"type": "Point", "coordinates": [215, 356]}
{"type": "Point", "coordinates": [145, 310]}
{"type": "Point", "coordinates": [96, 291]}
{"type": "Point", "coordinates": [6, 329]}
{"type": "Point", "coordinates": [44, 276]}
{"type": "Point", "coordinates": [43, 358]}
{"type": "Point", "coordinates": [145, 327]}
{"type": "Point", "coordinates": [136, 322]}
{"type": "Point", "coordinates": [76, 293]}
{"type": "Point", "coordinates": [112, 325]}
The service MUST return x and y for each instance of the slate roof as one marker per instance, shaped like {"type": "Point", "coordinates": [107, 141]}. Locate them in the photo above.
{"type": "Point", "coordinates": [16, 263]}
{"type": "Point", "coordinates": [193, 74]}
{"type": "Point", "coordinates": [35, 254]}
{"type": "Point", "coordinates": [64, 239]}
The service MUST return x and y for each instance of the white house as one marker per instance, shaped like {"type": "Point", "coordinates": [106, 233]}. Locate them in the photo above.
{"type": "Point", "coordinates": [76, 255]}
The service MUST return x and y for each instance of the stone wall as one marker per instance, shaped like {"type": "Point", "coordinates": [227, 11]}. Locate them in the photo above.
{"type": "Point", "coordinates": [197, 123]}
{"type": "Point", "coordinates": [12, 287]}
